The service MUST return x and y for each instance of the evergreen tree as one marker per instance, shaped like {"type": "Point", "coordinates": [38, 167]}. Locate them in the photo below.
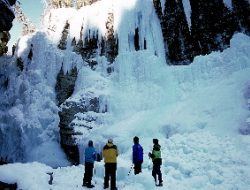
{"type": "Point", "coordinates": [176, 33]}
{"type": "Point", "coordinates": [213, 25]}
{"type": "Point", "coordinates": [241, 9]}
{"type": "Point", "coordinates": [63, 42]}
{"type": "Point", "coordinates": [158, 8]}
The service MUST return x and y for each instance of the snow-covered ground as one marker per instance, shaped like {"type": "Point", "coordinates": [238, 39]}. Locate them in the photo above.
{"type": "Point", "coordinates": [197, 112]}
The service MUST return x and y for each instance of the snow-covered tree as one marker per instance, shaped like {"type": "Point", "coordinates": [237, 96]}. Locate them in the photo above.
{"type": "Point", "coordinates": [63, 42]}
{"type": "Point", "coordinates": [27, 25]}
{"type": "Point", "coordinates": [79, 3]}
{"type": "Point", "coordinates": [67, 3]}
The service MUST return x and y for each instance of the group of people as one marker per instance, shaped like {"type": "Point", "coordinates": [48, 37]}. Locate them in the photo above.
{"type": "Point", "coordinates": [110, 154]}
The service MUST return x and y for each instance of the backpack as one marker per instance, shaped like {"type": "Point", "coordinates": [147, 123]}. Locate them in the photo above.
{"type": "Point", "coordinates": [156, 155]}
{"type": "Point", "coordinates": [98, 157]}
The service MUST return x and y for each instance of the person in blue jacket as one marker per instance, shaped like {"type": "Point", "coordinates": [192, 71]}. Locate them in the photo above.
{"type": "Point", "coordinates": [137, 155]}
{"type": "Point", "coordinates": [90, 157]}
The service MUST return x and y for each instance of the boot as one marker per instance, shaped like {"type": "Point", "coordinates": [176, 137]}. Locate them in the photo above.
{"type": "Point", "coordinates": [84, 184]}
{"type": "Point", "coordinates": [90, 186]}
{"type": "Point", "coordinates": [160, 184]}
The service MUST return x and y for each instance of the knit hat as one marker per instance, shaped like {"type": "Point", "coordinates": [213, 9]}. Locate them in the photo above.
{"type": "Point", "coordinates": [136, 139]}
{"type": "Point", "coordinates": [90, 143]}
{"type": "Point", "coordinates": [155, 141]}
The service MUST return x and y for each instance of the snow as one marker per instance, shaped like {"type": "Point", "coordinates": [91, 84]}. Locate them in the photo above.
{"type": "Point", "coordinates": [195, 111]}
{"type": "Point", "coordinates": [163, 5]}
{"type": "Point", "coordinates": [187, 10]}
{"type": "Point", "coordinates": [198, 160]}
{"type": "Point", "coordinates": [28, 105]}
{"type": "Point", "coordinates": [228, 4]}
{"type": "Point", "coordinates": [201, 145]}
{"type": "Point", "coordinates": [27, 176]}
{"type": "Point", "coordinates": [127, 16]}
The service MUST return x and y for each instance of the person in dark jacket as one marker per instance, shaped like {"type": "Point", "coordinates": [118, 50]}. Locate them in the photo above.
{"type": "Point", "coordinates": [90, 157]}
{"type": "Point", "coordinates": [110, 153]}
{"type": "Point", "coordinates": [137, 155]}
{"type": "Point", "coordinates": [157, 161]}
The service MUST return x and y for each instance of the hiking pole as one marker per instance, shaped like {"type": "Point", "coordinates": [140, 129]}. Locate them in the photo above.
{"type": "Point", "coordinates": [130, 169]}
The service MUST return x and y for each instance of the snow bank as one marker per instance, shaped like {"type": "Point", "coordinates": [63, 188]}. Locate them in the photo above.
{"type": "Point", "coordinates": [27, 176]}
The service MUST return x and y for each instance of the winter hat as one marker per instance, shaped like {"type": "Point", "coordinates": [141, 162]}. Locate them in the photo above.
{"type": "Point", "coordinates": [136, 139]}
{"type": "Point", "coordinates": [110, 140]}
{"type": "Point", "coordinates": [90, 143]}
{"type": "Point", "coordinates": [155, 141]}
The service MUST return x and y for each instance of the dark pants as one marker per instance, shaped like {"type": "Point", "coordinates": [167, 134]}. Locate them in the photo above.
{"type": "Point", "coordinates": [137, 167]}
{"type": "Point", "coordinates": [157, 171]}
{"type": "Point", "coordinates": [88, 173]}
{"type": "Point", "coordinates": [110, 171]}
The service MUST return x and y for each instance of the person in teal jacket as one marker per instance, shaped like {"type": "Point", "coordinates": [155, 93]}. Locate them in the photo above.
{"type": "Point", "coordinates": [90, 157]}
{"type": "Point", "coordinates": [157, 161]}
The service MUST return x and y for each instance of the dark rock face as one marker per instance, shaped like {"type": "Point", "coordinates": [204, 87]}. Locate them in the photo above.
{"type": "Point", "coordinates": [68, 117]}
{"type": "Point", "coordinates": [64, 88]}
{"type": "Point", "coordinates": [65, 85]}
{"type": "Point", "coordinates": [68, 143]}
{"type": "Point", "coordinates": [6, 186]}
{"type": "Point", "coordinates": [6, 18]}
{"type": "Point", "coordinates": [6, 15]}
{"type": "Point", "coordinates": [212, 27]}
{"type": "Point", "coordinates": [70, 110]}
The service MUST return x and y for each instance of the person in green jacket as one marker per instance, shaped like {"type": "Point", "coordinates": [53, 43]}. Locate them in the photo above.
{"type": "Point", "coordinates": [157, 162]}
